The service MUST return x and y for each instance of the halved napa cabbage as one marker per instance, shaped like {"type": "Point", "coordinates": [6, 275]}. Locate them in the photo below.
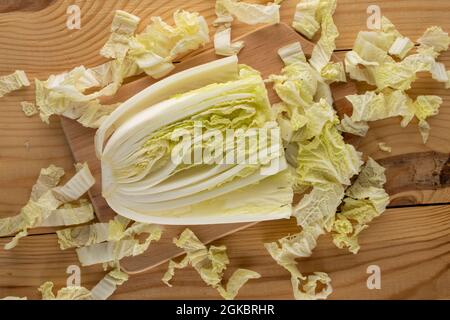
{"type": "Point", "coordinates": [209, 155]}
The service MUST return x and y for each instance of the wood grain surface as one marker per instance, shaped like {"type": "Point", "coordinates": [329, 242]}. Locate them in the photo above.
{"type": "Point", "coordinates": [411, 244]}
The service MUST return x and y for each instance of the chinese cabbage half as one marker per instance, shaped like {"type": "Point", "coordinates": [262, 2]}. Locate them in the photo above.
{"type": "Point", "coordinates": [142, 181]}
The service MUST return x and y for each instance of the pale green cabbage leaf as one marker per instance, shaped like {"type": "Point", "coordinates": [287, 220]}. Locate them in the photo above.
{"type": "Point", "coordinates": [210, 265]}
{"type": "Point", "coordinates": [13, 82]}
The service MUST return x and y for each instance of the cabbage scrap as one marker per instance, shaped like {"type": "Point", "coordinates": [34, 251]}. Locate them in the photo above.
{"type": "Point", "coordinates": [154, 49]}
{"type": "Point", "coordinates": [357, 128]}
{"type": "Point", "coordinates": [424, 107]}
{"type": "Point", "coordinates": [108, 242]}
{"type": "Point", "coordinates": [63, 94]}
{"type": "Point", "coordinates": [324, 48]}
{"type": "Point", "coordinates": [223, 45]}
{"type": "Point", "coordinates": [141, 182]}
{"type": "Point", "coordinates": [66, 293]}
{"type": "Point", "coordinates": [436, 38]}
{"type": "Point", "coordinates": [210, 264]}
{"type": "Point", "coordinates": [384, 147]}
{"type": "Point", "coordinates": [292, 53]}
{"type": "Point", "coordinates": [251, 13]}
{"type": "Point", "coordinates": [44, 207]}
{"type": "Point", "coordinates": [108, 285]}
{"type": "Point", "coordinates": [371, 61]}
{"type": "Point", "coordinates": [14, 298]}
{"type": "Point", "coordinates": [366, 199]}
{"type": "Point", "coordinates": [13, 82]}
{"type": "Point", "coordinates": [285, 250]}
{"type": "Point", "coordinates": [122, 29]}
{"type": "Point", "coordinates": [309, 14]}
{"type": "Point", "coordinates": [327, 159]}
{"type": "Point", "coordinates": [333, 72]}
{"type": "Point", "coordinates": [248, 13]}
{"type": "Point", "coordinates": [29, 108]}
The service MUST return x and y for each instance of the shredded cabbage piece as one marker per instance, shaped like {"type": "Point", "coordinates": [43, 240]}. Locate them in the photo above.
{"type": "Point", "coordinates": [66, 293]}
{"type": "Point", "coordinates": [358, 128]}
{"type": "Point", "coordinates": [372, 106]}
{"type": "Point", "coordinates": [384, 147]}
{"type": "Point", "coordinates": [44, 207]}
{"type": "Point", "coordinates": [306, 18]}
{"type": "Point", "coordinates": [319, 206]}
{"type": "Point", "coordinates": [13, 82]}
{"type": "Point", "coordinates": [223, 45]}
{"type": "Point", "coordinates": [108, 285]}
{"type": "Point", "coordinates": [101, 291]}
{"type": "Point", "coordinates": [237, 280]}
{"type": "Point", "coordinates": [287, 249]}
{"type": "Point", "coordinates": [14, 298]}
{"type": "Point", "coordinates": [120, 244]}
{"type": "Point", "coordinates": [29, 108]}
{"type": "Point", "coordinates": [250, 13]}
{"type": "Point", "coordinates": [122, 29]}
{"type": "Point", "coordinates": [154, 49]}
{"type": "Point", "coordinates": [366, 199]}
{"type": "Point", "coordinates": [436, 38]}
{"type": "Point", "coordinates": [141, 182]}
{"type": "Point", "coordinates": [210, 264]}
{"type": "Point", "coordinates": [292, 53]}
{"type": "Point", "coordinates": [324, 48]}
{"type": "Point", "coordinates": [63, 94]}
{"type": "Point", "coordinates": [439, 73]}
{"type": "Point", "coordinates": [327, 159]}
{"type": "Point", "coordinates": [401, 47]}
{"type": "Point", "coordinates": [333, 72]}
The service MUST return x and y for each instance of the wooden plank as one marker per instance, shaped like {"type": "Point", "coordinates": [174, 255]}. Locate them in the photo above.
{"type": "Point", "coordinates": [410, 245]}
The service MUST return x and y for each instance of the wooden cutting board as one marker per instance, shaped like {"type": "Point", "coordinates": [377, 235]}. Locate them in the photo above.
{"type": "Point", "coordinates": [260, 52]}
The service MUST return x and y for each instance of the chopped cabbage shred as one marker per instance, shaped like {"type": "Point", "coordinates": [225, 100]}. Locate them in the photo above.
{"type": "Point", "coordinates": [384, 147]}
{"type": "Point", "coordinates": [123, 27]}
{"type": "Point", "coordinates": [223, 45]}
{"type": "Point", "coordinates": [29, 108]}
{"type": "Point", "coordinates": [13, 82]}
{"type": "Point", "coordinates": [108, 243]}
{"type": "Point", "coordinates": [210, 263]}
{"type": "Point", "coordinates": [250, 13]}
{"type": "Point", "coordinates": [52, 205]}
{"type": "Point", "coordinates": [14, 298]}
{"type": "Point", "coordinates": [135, 142]}
{"type": "Point", "coordinates": [159, 44]}
{"type": "Point", "coordinates": [371, 61]}
{"type": "Point", "coordinates": [66, 94]}
{"type": "Point", "coordinates": [101, 291]}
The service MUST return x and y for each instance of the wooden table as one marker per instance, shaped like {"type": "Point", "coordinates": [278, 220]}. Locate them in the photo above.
{"type": "Point", "coordinates": [410, 243]}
